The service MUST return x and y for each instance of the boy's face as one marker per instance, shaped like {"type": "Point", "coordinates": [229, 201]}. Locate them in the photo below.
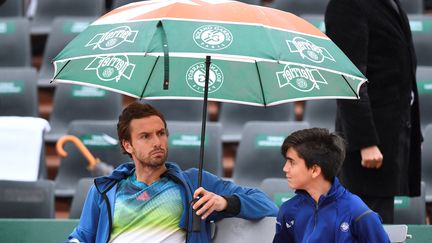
{"type": "Point", "coordinates": [298, 175]}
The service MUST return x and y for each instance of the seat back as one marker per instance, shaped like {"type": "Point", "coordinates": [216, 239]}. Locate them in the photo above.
{"type": "Point", "coordinates": [22, 146]}
{"type": "Point", "coordinates": [421, 28]}
{"type": "Point", "coordinates": [184, 145]}
{"type": "Point", "coordinates": [47, 10]}
{"type": "Point", "coordinates": [320, 113]}
{"type": "Point", "coordinates": [258, 155]}
{"type": "Point", "coordinates": [15, 45]}
{"type": "Point", "coordinates": [427, 161]}
{"type": "Point", "coordinates": [27, 199]}
{"type": "Point", "coordinates": [233, 117]}
{"type": "Point", "coordinates": [119, 3]}
{"type": "Point", "coordinates": [410, 210]}
{"type": "Point", "coordinates": [18, 92]}
{"type": "Point", "coordinates": [412, 6]}
{"type": "Point", "coordinates": [79, 197]}
{"type": "Point", "coordinates": [300, 7]}
{"type": "Point", "coordinates": [12, 8]}
{"type": "Point", "coordinates": [76, 102]}
{"type": "Point", "coordinates": [100, 137]}
{"type": "Point", "coordinates": [178, 110]}
{"type": "Point", "coordinates": [63, 30]}
{"type": "Point", "coordinates": [397, 232]}
{"type": "Point", "coordinates": [424, 86]}
{"type": "Point", "coordinates": [243, 230]}
{"type": "Point", "coordinates": [277, 189]}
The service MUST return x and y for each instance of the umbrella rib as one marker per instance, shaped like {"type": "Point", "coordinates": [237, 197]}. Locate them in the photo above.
{"type": "Point", "coordinates": [260, 82]}
{"type": "Point", "coordinates": [349, 85]}
{"type": "Point", "coordinates": [59, 72]}
{"type": "Point", "coordinates": [148, 80]}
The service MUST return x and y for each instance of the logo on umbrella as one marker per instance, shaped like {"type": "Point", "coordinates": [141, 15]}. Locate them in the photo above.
{"type": "Point", "coordinates": [113, 38]}
{"type": "Point", "coordinates": [308, 50]}
{"type": "Point", "coordinates": [301, 78]}
{"type": "Point", "coordinates": [212, 37]}
{"type": "Point", "coordinates": [195, 77]}
{"type": "Point", "coordinates": [110, 68]}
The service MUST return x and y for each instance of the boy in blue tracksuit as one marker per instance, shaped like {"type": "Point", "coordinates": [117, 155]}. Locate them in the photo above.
{"type": "Point", "coordinates": [322, 210]}
{"type": "Point", "coordinates": [149, 199]}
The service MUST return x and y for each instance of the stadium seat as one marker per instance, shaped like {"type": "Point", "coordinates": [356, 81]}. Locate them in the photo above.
{"type": "Point", "coordinates": [47, 10]}
{"type": "Point", "coordinates": [178, 110]}
{"type": "Point", "coordinates": [258, 155]}
{"type": "Point", "coordinates": [22, 146]}
{"type": "Point", "coordinates": [397, 232]}
{"type": "Point", "coordinates": [277, 189]}
{"type": "Point", "coordinates": [76, 102]}
{"type": "Point", "coordinates": [12, 8]}
{"type": "Point", "coordinates": [316, 20]}
{"type": "Point", "coordinates": [118, 3]}
{"type": "Point", "coordinates": [100, 137]}
{"type": "Point", "coordinates": [427, 161]}
{"type": "Point", "coordinates": [412, 6]}
{"type": "Point", "coordinates": [79, 197]}
{"type": "Point", "coordinates": [300, 7]}
{"type": "Point", "coordinates": [243, 230]}
{"type": "Point", "coordinates": [234, 116]}
{"type": "Point", "coordinates": [184, 145]}
{"type": "Point", "coordinates": [424, 86]}
{"type": "Point", "coordinates": [320, 113]}
{"type": "Point", "coordinates": [410, 210]}
{"type": "Point", "coordinates": [27, 199]}
{"type": "Point", "coordinates": [18, 92]}
{"type": "Point", "coordinates": [64, 29]}
{"type": "Point", "coordinates": [421, 28]}
{"type": "Point", "coordinates": [15, 45]}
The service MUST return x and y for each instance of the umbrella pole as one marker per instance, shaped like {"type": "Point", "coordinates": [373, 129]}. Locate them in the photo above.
{"type": "Point", "coordinates": [196, 221]}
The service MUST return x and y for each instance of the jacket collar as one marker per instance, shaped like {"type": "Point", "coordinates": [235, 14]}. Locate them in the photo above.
{"type": "Point", "coordinates": [336, 190]}
{"type": "Point", "coordinates": [105, 183]}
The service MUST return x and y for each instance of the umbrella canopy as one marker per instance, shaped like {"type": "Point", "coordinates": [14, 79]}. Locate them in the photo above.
{"type": "Point", "coordinates": [260, 56]}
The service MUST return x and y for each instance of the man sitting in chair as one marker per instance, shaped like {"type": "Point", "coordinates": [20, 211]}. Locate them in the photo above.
{"type": "Point", "coordinates": [322, 210]}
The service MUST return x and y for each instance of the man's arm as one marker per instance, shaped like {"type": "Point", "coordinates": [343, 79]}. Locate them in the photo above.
{"type": "Point", "coordinates": [368, 228]}
{"type": "Point", "coordinates": [282, 235]}
{"type": "Point", "coordinates": [243, 202]}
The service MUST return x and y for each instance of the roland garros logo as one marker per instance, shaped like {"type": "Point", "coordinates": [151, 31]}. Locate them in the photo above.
{"type": "Point", "coordinates": [195, 78]}
{"type": "Point", "coordinates": [308, 50]}
{"type": "Point", "coordinates": [111, 68]}
{"type": "Point", "coordinates": [300, 78]}
{"type": "Point", "coordinates": [112, 38]}
{"type": "Point", "coordinates": [212, 37]}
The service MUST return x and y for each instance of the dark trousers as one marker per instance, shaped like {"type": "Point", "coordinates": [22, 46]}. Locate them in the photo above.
{"type": "Point", "coordinates": [384, 206]}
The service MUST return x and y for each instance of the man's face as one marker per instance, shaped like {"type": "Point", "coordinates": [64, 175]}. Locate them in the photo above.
{"type": "Point", "coordinates": [298, 175]}
{"type": "Point", "coordinates": [149, 142]}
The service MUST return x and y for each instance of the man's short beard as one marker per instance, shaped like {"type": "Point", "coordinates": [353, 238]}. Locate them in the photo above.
{"type": "Point", "coordinates": [153, 164]}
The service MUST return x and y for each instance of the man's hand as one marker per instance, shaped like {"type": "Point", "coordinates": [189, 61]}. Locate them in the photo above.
{"type": "Point", "coordinates": [208, 202]}
{"type": "Point", "coordinates": [371, 157]}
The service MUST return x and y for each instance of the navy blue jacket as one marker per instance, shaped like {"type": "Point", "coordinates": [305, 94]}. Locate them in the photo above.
{"type": "Point", "coordinates": [96, 218]}
{"type": "Point", "coordinates": [339, 216]}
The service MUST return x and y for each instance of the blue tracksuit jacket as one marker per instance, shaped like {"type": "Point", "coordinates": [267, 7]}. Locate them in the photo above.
{"type": "Point", "coordinates": [96, 218]}
{"type": "Point", "coordinates": [339, 216]}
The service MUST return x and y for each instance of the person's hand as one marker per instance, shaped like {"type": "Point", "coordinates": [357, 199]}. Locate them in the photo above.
{"type": "Point", "coordinates": [371, 157]}
{"type": "Point", "coordinates": [208, 202]}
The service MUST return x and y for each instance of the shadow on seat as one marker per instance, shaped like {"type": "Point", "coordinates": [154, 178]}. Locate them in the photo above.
{"type": "Point", "coordinates": [27, 199]}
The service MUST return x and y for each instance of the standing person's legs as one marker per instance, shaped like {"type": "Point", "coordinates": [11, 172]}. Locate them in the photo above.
{"type": "Point", "coordinates": [384, 206]}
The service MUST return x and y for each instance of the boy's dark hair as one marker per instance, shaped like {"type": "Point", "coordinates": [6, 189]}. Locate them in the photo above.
{"type": "Point", "coordinates": [135, 110]}
{"type": "Point", "coordinates": [317, 146]}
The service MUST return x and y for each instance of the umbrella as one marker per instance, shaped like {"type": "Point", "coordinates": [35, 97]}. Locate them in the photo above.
{"type": "Point", "coordinates": [217, 50]}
